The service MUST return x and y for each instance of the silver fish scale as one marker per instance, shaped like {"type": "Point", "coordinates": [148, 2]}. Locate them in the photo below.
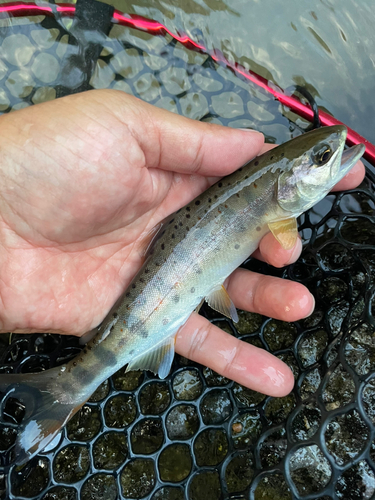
{"type": "Point", "coordinates": [168, 287]}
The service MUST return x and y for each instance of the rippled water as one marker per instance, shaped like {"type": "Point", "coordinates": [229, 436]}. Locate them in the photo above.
{"type": "Point", "coordinates": [326, 45]}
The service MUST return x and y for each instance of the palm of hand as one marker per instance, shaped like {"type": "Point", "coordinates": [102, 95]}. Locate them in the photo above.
{"type": "Point", "coordinates": [77, 217]}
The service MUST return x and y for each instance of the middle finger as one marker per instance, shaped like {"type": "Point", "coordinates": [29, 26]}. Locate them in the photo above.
{"type": "Point", "coordinates": [274, 297]}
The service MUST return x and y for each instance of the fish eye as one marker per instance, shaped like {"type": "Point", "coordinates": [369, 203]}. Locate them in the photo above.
{"type": "Point", "coordinates": [321, 154]}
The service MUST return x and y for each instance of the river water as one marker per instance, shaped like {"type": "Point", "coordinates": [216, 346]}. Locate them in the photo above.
{"type": "Point", "coordinates": [326, 45]}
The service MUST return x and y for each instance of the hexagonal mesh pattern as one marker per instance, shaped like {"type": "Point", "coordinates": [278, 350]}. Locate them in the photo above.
{"type": "Point", "coordinates": [197, 435]}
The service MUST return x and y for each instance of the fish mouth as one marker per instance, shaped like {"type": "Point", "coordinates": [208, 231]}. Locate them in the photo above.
{"type": "Point", "coordinates": [350, 157]}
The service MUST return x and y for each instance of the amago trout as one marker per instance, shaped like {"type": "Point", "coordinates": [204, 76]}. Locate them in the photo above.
{"type": "Point", "coordinates": [193, 253]}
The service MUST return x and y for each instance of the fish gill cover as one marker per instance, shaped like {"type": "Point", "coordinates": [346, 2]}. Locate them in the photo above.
{"type": "Point", "coordinates": [197, 435]}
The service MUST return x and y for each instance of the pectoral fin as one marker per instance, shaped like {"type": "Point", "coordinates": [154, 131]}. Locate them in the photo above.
{"type": "Point", "coordinates": [151, 237]}
{"type": "Point", "coordinates": [220, 301]}
{"type": "Point", "coordinates": [158, 360]}
{"type": "Point", "coordinates": [285, 231]}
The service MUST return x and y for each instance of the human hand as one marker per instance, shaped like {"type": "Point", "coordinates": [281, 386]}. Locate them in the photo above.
{"type": "Point", "coordinates": [84, 179]}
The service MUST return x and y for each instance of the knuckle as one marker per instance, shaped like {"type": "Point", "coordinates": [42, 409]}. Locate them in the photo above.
{"type": "Point", "coordinates": [230, 362]}
{"type": "Point", "coordinates": [198, 339]}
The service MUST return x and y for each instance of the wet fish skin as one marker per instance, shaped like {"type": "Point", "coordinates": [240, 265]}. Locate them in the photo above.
{"type": "Point", "coordinates": [195, 250]}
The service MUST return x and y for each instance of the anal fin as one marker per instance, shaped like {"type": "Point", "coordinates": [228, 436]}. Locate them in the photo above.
{"type": "Point", "coordinates": [285, 231]}
{"type": "Point", "coordinates": [158, 360]}
{"type": "Point", "coordinates": [220, 301]}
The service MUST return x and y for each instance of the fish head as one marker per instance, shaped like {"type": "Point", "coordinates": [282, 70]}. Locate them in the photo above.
{"type": "Point", "coordinates": [314, 163]}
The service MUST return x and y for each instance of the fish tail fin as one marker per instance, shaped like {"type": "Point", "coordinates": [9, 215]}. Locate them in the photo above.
{"type": "Point", "coordinates": [47, 409]}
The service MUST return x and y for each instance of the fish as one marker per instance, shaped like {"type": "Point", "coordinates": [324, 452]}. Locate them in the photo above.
{"type": "Point", "coordinates": [190, 255]}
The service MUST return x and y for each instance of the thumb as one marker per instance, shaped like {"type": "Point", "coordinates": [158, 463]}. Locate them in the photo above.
{"type": "Point", "coordinates": [179, 144]}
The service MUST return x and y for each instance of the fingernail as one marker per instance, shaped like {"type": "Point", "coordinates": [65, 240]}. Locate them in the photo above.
{"type": "Point", "coordinates": [313, 305]}
{"type": "Point", "coordinates": [250, 130]}
{"type": "Point", "coordinates": [295, 253]}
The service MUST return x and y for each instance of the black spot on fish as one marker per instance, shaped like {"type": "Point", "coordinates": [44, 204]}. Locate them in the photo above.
{"type": "Point", "coordinates": [122, 342]}
{"type": "Point", "coordinates": [173, 235]}
{"type": "Point", "coordinates": [282, 154]}
{"type": "Point", "coordinates": [147, 271]}
{"type": "Point", "coordinates": [187, 228]}
{"type": "Point", "coordinates": [157, 264]}
{"type": "Point", "coordinates": [209, 200]}
{"type": "Point", "coordinates": [115, 315]}
{"type": "Point", "coordinates": [197, 202]}
{"type": "Point", "coordinates": [246, 176]}
{"type": "Point", "coordinates": [188, 216]}
{"type": "Point", "coordinates": [215, 196]}
{"type": "Point", "coordinates": [105, 356]}
{"type": "Point", "coordinates": [271, 157]}
{"type": "Point", "coordinates": [131, 352]}
{"type": "Point", "coordinates": [180, 224]}
{"type": "Point", "coordinates": [236, 246]}
{"type": "Point", "coordinates": [188, 209]}
{"type": "Point", "coordinates": [162, 233]}
{"type": "Point", "coordinates": [74, 363]}
{"type": "Point", "coordinates": [179, 210]}
{"type": "Point", "coordinates": [237, 195]}
{"type": "Point", "coordinates": [127, 294]}
{"type": "Point", "coordinates": [133, 285]}
{"type": "Point", "coordinates": [144, 333]}
{"type": "Point", "coordinates": [192, 289]}
{"type": "Point", "coordinates": [240, 169]}
{"type": "Point", "coordinates": [255, 185]}
{"type": "Point", "coordinates": [162, 246]}
{"type": "Point", "coordinates": [142, 280]}
{"type": "Point", "coordinates": [258, 228]}
{"type": "Point", "coordinates": [220, 185]}
{"type": "Point", "coordinates": [172, 220]}
{"type": "Point", "coordinates": [256, 164]}
{"type": "Point", "coordinates": [176, 299]}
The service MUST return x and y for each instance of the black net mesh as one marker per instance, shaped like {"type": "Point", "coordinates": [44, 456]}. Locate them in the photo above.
{"type": "Point", "coordinates": [197, 435]}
